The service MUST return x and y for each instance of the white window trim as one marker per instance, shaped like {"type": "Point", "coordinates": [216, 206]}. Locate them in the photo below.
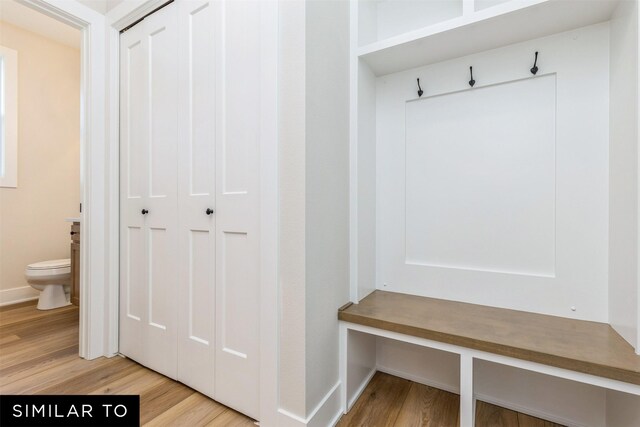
{"type": "Point", "coordinates": [9, 141]}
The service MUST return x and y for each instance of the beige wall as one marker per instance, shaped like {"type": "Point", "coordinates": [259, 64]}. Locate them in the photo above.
{"type": "Point", "coordinates": [32, 226]}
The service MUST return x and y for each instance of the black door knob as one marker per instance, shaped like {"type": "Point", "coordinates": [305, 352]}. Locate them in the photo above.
{"type": "Point", "coordinates": [209, 211]}
{"type": "Point", "coordinates": [144, 211]}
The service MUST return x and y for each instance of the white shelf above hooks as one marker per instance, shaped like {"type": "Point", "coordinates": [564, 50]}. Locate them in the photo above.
{"type": "Point", "coordinates": [492, 27]}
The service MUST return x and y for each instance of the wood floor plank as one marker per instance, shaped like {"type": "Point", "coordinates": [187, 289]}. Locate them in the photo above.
{"type": "Point", "coordinates": [231, 418]}
{"type": "Point", "coordinates": [380, 403]}
{"type": "Point", "coordinates": [488, 415]}
{"type": "Point", "coordinates": [529, 421]}
{"type": "Point", "coordinates": [137, 382]}
{"type": "Point", "coordinates": [94, 377]}
{"type": "Point", "coordinates": [70, 367]}
{"type": "Point", "coordinates": [26, 345]}
{"type": "Point", "coordinates": [429, 407]}
{"type": "Point", "coordinates": [22, 314]}
{"type": "Point", "coordinates": [158, 399]}
{"type": "Point", "coordinates": [32, 350]}
{"type": "Point", "coordinates": [41, 326]}
{"type": "Point", "coordinates": [11, 307]}
{"type": "Point", "coordinates": [8, 339]}
{"type": "Point", "coordinates": [195, 410]}
{"type": "Point", "coordinates": [37, 364]}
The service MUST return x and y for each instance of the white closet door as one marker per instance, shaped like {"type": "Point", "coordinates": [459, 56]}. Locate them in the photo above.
{"type": "Point", "coordinates": [149, 276]}
{"type": "Point", "coordinates": [196, 195]}
{"type": "Point", "coordinates": [237, 216]}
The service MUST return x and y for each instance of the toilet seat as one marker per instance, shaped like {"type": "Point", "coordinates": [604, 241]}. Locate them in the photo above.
{"type": "Point", "coordinates": [51, 264]}
{"type": "Point", "coordinates": [49, 270]}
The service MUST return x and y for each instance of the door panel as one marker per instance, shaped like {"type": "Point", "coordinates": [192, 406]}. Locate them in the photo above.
{"type": "Point", "coordinates": [190, 124]}
{"type": "Point", "coordinates": [148, 327]}
{"type": "Point", "coordinates": [133, 143]}
{"type": "Point", "coordinates": [196, 183]}
{"type": "Point", "coordinates": [238, 292]}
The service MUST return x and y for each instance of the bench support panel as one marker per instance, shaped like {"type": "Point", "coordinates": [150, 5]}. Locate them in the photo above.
{"type": "Point", "coordinates": [467, 357]}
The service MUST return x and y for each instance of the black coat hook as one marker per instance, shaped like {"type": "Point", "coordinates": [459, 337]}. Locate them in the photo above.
{"type": "Point", "coordinates": [471, 82]}
{"type": "Point", "coordinates": [534, 70]}
{"type": "Point", "coordinates": [420, 91]}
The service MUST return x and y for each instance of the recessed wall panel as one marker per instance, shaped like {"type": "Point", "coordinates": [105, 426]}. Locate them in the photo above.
{"type": "Point", "coordinates": [201, 282]}
{"type": "Point", "coordinates": [201, 103]}
{"type": "Point", "coordinates": [480, 178]}
{"type": "Point", "coordinates": [241, 99]}
{"type": "Point", "coordinates": [135, 279]}
{"type": "Point", "coordinates": [136, 119]}
{"type": "Point", "coordinates": [237, 292]}
{"type": "Point", "coordinates": [162, 83]}
{"type": "Point", "coordinates": [161, 278]}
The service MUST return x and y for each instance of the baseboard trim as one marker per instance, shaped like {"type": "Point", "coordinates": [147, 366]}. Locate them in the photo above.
{"type": "Point", "coordinates": [16, 295]}
{"type": "Point", "coordinates": [326, 413]}
{"type": "Point", "coordinates": [419, 380]}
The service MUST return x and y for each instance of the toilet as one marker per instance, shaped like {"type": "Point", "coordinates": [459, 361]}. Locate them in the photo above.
{"type": "Point", "coordinates": [52, 279]}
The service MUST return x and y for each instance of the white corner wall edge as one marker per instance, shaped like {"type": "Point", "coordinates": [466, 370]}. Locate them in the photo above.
{"type": "Point", "coordinates": [16, 295]}
{"type": "Point", "coordinates": [326, 413]}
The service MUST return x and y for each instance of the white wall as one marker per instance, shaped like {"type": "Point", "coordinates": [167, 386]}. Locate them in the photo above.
{"type": "Point", "coordinates": [291, 171]}
{"type": "Point", "coordinates": [366, 191]}
{"type": "Point", "coordinates": [32, 226]}
{"type": "Point", "coordinates": [314, 205]}
{"type": "Point", "coordinates": [576, 277]}
{"type": "Point", "coordinates": [623, 410]}
{"type": "Point", "coordinates": [327, 190]}
{"type": "Point", "coordinates": [623, 173]}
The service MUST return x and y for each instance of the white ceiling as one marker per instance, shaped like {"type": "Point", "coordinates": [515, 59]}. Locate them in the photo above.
{"type": "Point", "coordinates": [21, 16]}
{"type": "Point", "coordinates": [101, 6]}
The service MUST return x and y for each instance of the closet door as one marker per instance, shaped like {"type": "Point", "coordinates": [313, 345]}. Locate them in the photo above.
{"type": "Point", "coordinates": [238, 121]}
{"type": "Point", "coordinates": [148, 192]}
{"type": "Point", "coordinates": [196, 195]}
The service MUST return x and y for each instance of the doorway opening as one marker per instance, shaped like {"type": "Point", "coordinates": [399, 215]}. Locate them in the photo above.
{"type": "Point", "coordinates": [40, 161]}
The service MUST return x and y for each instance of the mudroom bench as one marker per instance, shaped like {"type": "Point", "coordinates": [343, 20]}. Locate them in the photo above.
{"type": "Point", "coordinates": [582, 351]}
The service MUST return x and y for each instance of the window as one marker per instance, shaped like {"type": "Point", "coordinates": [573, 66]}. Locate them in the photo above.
{"type": "Point", "coordinates": [8, 117]}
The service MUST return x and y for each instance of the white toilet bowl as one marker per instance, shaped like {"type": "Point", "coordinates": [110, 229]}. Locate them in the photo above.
{"type": "Point", "coordinates": [50, 278]}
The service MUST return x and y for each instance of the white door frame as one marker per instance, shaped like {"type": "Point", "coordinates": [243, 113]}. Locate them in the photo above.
{"type": "Point", "coordinates": [93, 167]}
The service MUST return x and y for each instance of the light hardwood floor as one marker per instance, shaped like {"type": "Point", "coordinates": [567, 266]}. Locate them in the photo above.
{"type": "Point", "coordinates": [390, 401]}
{"type": "Point", "coordinates": [39, 355]}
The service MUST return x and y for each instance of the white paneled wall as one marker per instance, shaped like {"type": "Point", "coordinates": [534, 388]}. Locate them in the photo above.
{"type": "Point", "coordinates": [498, 195]}
{"type": "Point", "coordinates": [480, 183]}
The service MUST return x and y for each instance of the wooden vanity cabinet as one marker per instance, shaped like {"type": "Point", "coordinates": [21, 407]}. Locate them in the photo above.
{"type": "Point", "coordinates": [75, 263]}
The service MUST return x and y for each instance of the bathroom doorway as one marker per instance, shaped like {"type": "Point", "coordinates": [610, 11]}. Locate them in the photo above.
{"type": "Point", "coordinates": [93, 164]}
{"type": "Point", "coordinates": [40, 157]}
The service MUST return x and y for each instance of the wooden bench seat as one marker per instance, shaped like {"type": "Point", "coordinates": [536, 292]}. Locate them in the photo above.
{"type": "Point", "coordinates": [577, 345]}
